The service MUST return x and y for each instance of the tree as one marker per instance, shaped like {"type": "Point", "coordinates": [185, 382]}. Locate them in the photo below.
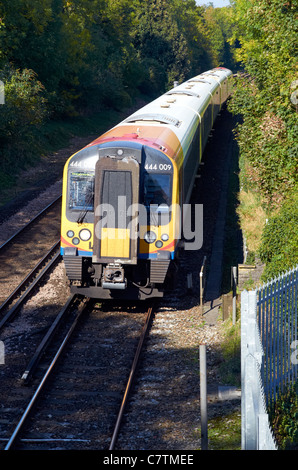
{"type": "Point", "coordinates": [31, 37]}
{"type": "Point", "coordinates": [266, 30]}
{"type": "Point", "coordinates": [158, 39]}
{"type": "Point", "coordinates": [267, 136]}
{"type": "Point", "coordinates": [220, 24]}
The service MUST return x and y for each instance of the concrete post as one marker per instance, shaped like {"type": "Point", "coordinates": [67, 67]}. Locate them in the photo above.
{"type": "Point", "coordinates": [203, 398]}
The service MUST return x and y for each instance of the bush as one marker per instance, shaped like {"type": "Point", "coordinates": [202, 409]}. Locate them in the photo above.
{"type": "Point", "coordinates": [25, 105]}
{"type": "Point", "coordinates": [23, 113]}
{"type": "Point", "coordinates": [284, 418]}
{"type": "Point", "coordinates": [279, 248]}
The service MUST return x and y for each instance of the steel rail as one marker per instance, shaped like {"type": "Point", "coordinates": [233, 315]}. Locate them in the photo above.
{"type": "Point", "coordinates": [131, 378]}
{"type": "Point", "coordinates": [26, 294]}
{"type": "Point", "coordinates": [46, 340]}
{"type": "Point", "coordinates": [42, 383]}
{"type": "Point", "coordinates": [10, 239]}
{"type": "Point", "coordinates": [26, 279]}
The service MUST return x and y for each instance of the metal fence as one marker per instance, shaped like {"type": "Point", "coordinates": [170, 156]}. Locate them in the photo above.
{"type": "Point", "coordinates": [269, 345]}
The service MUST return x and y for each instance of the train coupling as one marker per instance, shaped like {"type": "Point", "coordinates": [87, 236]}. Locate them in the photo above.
{"type": "Point", "coordinates": [113, 277]}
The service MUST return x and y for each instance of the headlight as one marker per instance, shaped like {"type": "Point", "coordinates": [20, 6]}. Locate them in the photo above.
{"type": "Point", "coordinates": [150, 237]}
{"type": "Point", "coordinates": [75, 241]}
{"type": "Point", "coordinates": [70, 233]}
{"type": "Point", "coordinates": [164, 237]}
{"type": "Point", "coordinates": [85, 234]}
{"type": "Point", "coordinates": [159, 244]}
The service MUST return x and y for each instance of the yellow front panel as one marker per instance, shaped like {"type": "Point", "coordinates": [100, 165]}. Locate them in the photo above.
{"type": "Point", "coordinates": [115, 242]}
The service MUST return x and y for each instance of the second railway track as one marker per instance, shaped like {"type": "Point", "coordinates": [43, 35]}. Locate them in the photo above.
{"type": "Point", "coordinates": [79, 408]}
{"type": "Point", "coordinates": [23, 254]}
{"type": "Point", "coordinates": [18, 256]}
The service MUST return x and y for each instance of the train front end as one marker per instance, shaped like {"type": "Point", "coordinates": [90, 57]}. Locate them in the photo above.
{"type": "Point", "coordinates": [118, 230]}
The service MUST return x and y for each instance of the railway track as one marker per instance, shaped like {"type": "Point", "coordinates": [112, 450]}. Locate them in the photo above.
{"type": "Point", "coordinates": [33, 364]}
{"type": "Point", "coordinates": [31, 222]}
{"type": "Point", "coordinates": [36, 374]}
{"type": "Point", "coordinates": [26, 257]}
{"type": "Point", "coordinates": [101, 398]}
{"type": "Point", "coordinates": [80, 404]}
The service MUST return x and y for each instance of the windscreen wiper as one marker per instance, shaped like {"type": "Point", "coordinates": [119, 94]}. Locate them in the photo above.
{"type": "Point", "coordinates": [85, 210]}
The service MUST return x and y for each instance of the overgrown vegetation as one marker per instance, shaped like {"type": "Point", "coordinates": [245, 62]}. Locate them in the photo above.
{"type": "Point", "coordinates": [280, 239]}
{"type": "Point", "coordinates": [284, 417]}
{"type": "Point", "coordinates": [224, 432]}
{"type": "Point", "coordinates": [230, 366]}
{"type": "Point", "coordinates": [267, 137]}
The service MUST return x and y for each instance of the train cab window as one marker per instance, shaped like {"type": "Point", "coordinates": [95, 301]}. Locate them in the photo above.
{"type": "Point", "coordinates": [157, 189]}
{"type": "Point", "coordinates": [81, 191]}
{"type": "Point", "coordinates": [158, 198]}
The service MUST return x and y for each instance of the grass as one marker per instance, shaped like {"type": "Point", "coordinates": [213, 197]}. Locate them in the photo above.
{"type": "Point", "coordinates": [224, 419]}
{"type": "Point", "coordinates": [253, 219]}
{"type": "Point", "coordinates": [224, 432]}
{"type": "Point", "coordinates": [230, 366]}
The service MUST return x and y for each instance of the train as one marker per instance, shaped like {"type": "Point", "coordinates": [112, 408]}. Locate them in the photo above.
{"type": "Point", "coordinates": [124, 194]}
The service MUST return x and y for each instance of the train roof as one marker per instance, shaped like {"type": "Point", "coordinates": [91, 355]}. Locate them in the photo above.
{"type": "Point", "coordinates": [191, 95]}
{"type": "Point", "coordinates": [183, 105]}
{"type": "Point", "coordinates": [166, 119]}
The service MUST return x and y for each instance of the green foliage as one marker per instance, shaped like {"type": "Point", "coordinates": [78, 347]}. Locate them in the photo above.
{"type": "Point", "coordinates": [230, 366]}
{"type": "Point", "coordinates": [284, 417]}
{"type": "Point", "coordinates": [87, 53]}
{"type": "Point", "coordinates": [267, 145]}
{"type": "Point", "coordinates": [267, 135]}
{"type": "Point", "coordinates": [158, 37]}
{"type": "Point", "coordinates": [266, 30]}
{"type": "Point", "coordinates": [31, 37]}
{"type": "Point", "coordinates": [219, 25]}
{"type": "Point", "coordinates": [25, 110]}
{"type": "Point", "coordinates": [25, 105]}
{"type": "Point", "coordinates": [279, 249]}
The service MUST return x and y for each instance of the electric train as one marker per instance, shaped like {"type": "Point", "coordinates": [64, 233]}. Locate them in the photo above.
{"type": "Point", "coordinates": [124, 193]}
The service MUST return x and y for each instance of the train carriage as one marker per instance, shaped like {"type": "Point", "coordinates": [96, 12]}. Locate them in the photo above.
{"type": "Point", "coordinates": [123, 193]}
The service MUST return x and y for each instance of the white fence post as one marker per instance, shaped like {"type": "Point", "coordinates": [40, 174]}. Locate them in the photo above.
{"type": "Point", "coordinates": [2, 94]}
{"type": "Point", "coordinates": [203, 397]}
{"type": "Point", "coordinates": [269, 326]}
{"type": "Point", "coordinates": [253, 410]}
{"type": "Point", "coordinates": [2, 353]}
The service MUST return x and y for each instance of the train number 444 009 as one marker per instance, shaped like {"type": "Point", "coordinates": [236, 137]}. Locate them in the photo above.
{"type": "Point", "coordinates": [159, 167]}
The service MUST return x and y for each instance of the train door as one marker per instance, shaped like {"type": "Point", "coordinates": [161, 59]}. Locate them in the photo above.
{"type": "Point", "coordinates": [115, 225]}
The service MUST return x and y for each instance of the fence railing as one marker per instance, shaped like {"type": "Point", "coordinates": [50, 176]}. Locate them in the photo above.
{"type": "Point", "coordinates": [269, 346]}
{"type": "Point", "coordinates": [277, 317]}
